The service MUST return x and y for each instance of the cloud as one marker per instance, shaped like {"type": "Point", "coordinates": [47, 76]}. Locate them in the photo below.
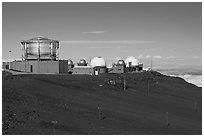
{"type": "Point", "coordinates": [170, 57]}
{"type": "Point", "coordinates": [194, 79]}
{"type": "Point", "coordinates": [106, 42]}
{"type": "Point", "coordinates": [94, 32]}
{"type": "Point", "coordinates": [195, 57]}
{"type": "Point", "coordinates": [148, 56]}
{"type": "Point", "coordinates": [157, 57]}
{"type": "Point", "coordinates": [143, 57]}
{"type": "Point", "coordinates": [117, 58]}
{"type": "Point", "coordinates": [107, 47]}
{"type": "Point", "coordinates": [140, 56]}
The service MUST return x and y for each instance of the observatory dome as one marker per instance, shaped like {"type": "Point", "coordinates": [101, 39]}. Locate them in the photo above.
{"type": "Point", "coordinates": [132, 60]}
{"type": "Point", "coordinates": [70, 62]}
{"type": "Point", "coordinates": [98, 62]}
{"type": "Point", "coordinates": [82, 62]}
{"type": "Point", "coordinates": [121, 62]}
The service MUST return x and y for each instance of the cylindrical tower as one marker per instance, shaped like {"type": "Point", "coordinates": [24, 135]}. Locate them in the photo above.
{"type": "Point", "coordinates": [40, 48]}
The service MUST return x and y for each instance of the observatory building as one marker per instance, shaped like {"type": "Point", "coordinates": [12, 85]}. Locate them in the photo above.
{"type": "Point", "coordinates": [133, 65]}
{"type": "Point", "coordinates": [40, 55]}
{"type": "Point", "coordinates": [40, 48]}
{"type": "Point", "coordinates": [99, 65]}
{"type": "Point", "coordinates": [82, 68]}
{"type": "Point", "coordinates": [118, 67]}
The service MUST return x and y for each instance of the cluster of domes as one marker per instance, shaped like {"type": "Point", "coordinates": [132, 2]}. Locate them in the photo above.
{"type": "Point", "coordinates": [100, 62]}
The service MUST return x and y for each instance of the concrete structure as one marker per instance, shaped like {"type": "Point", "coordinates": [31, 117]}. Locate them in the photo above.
{"type": "Point", "coordinates": [83, 70]}
{"type": "Point", "coordinates": [60, 66]}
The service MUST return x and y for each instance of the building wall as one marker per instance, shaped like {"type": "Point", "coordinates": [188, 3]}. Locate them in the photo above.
{"type": "Point", "coordinates": [47, 67]}
{"type": "Point", "coordinates": [63, 66]}
{"type": "Point", "coordinates": [135, 68]}
{"type": "Point", "coordinates": [20, 66]}
{"type": "Point", "coordinates": [83, 70]}
{"type": "Point", "coordinates": [100, 70]}
{"type": "Point", "coordinates": [117, 69]}
{"type": "Point", "coordinates": [5, 65]}
{"type": "Point", "coordinates": [40, 66]}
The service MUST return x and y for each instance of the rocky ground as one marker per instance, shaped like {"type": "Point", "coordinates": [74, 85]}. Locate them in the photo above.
{"type": "Point", "coordinates": [81, 104]}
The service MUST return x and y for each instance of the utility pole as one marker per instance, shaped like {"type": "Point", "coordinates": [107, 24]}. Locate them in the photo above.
{"type": "Point", "coordinates": [151, 63]}
{"type": "Point", "coordinates": [39, 51]}
{"type": "Point", "coordinates": [148, 87]}
{"type": "Point", "coordinates": [167, 118]}
{"type": "Point", "coordinates": [124, 86]}
{"type": "Point", "coordinates": [124, 82]}
{"type": "Point", "coordinates": [54, 123]}
{"type": "Point", "coordinates": [195, 106]}
{"type": "Point", "coordinates": [9, 59]}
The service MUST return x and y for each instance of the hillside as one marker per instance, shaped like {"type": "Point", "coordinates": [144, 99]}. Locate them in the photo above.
{"type": "Point", "coordinates": [83, 104]}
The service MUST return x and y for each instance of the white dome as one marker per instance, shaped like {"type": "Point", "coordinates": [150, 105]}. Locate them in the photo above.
{"type": "Point", "coordinates": [133, 60]}
{"type": "Point", "coordinates": [98, 62]}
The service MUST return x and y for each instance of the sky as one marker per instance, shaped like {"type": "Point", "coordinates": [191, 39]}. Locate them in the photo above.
{"type": "Point", "coordinates": [169, 33]}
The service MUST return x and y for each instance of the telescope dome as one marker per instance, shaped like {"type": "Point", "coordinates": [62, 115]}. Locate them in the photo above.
{"type": "Point", "coordinates": [70, 62]}
{"type": "Point", "coordinates": [121, 62]}
{"type": "Point", "coordinates": [98, 62]}
{"type": "Point", "coordinates": [131, 61]}
{"type": "Point", "coordinates": [82, 62]}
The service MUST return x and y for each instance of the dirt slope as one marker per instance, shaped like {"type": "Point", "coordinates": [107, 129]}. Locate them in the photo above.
{"type": "Point", "coordinates": [83, 104]}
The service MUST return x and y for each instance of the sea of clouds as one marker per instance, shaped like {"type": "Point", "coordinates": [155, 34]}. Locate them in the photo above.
{"type": "Point", "coordinates": [194, 79]}
{"type": "Point", "coordinates": [189, 75]}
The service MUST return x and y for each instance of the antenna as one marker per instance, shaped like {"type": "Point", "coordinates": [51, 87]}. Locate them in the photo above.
{"type": "Point", "coordinates": [151, 63]}
{"type": "Point", "coordinates": [90, 60]}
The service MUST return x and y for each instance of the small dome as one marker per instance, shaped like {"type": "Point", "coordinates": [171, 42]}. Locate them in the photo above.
{"type": "Point", "coordinates": [121, 62]}
{"type": "Point", "coordinates": [82, 61]}
{"type": "Point", "coordinates": [132, 60]}
{"type": "Point", "coordinates": [98, 62]}
{"type": "Point", "coordinates": [70, 62]}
